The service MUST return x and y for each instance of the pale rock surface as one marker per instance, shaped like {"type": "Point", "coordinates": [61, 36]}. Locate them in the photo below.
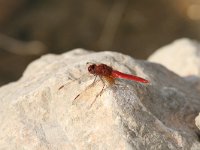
{"type": "Point", "coordinates": [197, 121]}
{"type": "Point", "coordinates": [182, 57]}
{"type": "Point", "coordinates": [35, 115]}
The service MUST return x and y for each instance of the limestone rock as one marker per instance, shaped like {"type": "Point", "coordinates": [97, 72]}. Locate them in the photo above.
{"type": "Point", "coordinates": [182, 57]}
{"type": "Point", "coordinates": [36, 115]}
{"type": "Point", "coordinates": [197, 121]}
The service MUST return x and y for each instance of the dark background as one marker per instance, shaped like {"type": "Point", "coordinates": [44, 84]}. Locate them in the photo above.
{"type": "Point", "coordinates": [31, 28]}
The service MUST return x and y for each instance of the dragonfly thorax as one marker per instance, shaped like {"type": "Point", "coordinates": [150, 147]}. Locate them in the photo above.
{"type": "Point", "coordinates": [102, 70]}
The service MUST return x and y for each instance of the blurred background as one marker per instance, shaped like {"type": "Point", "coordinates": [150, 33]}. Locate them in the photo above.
{"type": "Point", "coordinates": [31, 28]}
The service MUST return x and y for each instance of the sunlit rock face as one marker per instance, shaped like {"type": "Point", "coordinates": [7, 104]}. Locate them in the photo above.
{"type": "Point", "coordinates": [36, 114]}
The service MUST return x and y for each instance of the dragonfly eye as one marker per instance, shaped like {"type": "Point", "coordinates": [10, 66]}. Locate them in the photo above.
{"type": "Point", "coordinates": [91, 69]}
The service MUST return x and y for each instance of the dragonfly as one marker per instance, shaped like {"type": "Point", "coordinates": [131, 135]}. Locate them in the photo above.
{"type": "Point", "coordinates": [109, 75]}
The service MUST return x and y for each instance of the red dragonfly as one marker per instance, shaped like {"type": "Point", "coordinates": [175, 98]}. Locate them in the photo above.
{"type": "Point", "coordinates": [106, 73]}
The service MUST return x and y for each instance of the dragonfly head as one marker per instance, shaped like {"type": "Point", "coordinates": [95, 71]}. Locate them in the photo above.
{"type": "Point", "coordinates": [91, 69]}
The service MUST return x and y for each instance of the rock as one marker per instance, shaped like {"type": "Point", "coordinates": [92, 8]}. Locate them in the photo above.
{"type": "Point", "coordinates": [182, 57]}
{"type": "Point", "coordinates": [36, 115]}
{"type": "Point", "coordinates": [197, 121]}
